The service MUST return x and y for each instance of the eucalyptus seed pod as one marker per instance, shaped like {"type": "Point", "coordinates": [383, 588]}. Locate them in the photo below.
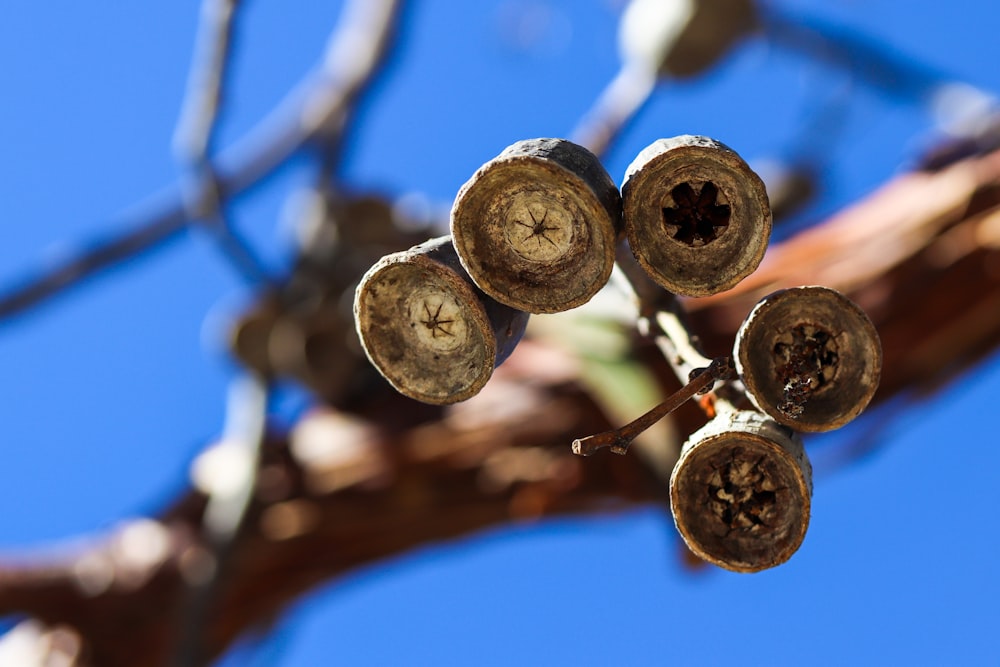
{"type": "Point", "coordinates": [428, 329]}
{"type": "Point", "coordinates": [740, 492]}
{"type": "Point", "coordinates": [809, 357]}
{"type": "Point", "coordinates": [536, 226]}
{"type": "Point", "coordinates": [250, 337]}
{"type": "Point", "coordinates": [696, 215]}
{"type": "Point", "coordinates": [313, 345]}
{"type": "Point", "coordinates": [683, 38]}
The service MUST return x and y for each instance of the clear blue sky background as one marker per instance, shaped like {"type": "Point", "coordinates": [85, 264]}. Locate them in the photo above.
{"type": "Point", "coordinates": [109, 391]}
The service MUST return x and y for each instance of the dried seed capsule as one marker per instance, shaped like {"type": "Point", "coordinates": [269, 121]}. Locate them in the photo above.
{"type": "Point", "coordinates": [536, 226]}
{"type": "Point", "coordinates": [696, 216]}
{"type": "Point", "coordinates": [683, 38]}
{"type": "Point", "coordinates": [427, 328]}
{"type": "Point", "coordinates": [312, 346]}
{"type": "Point", "coordinates": [809, 357]}
{"type": "Point", "coordinates": [740, 492]}
{"type": "Point", "coordinates": [250, 337]}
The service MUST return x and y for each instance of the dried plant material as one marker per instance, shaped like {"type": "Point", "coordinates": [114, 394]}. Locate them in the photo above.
{"type": "Point", "coordinates": [809, 357]}
{"type": "Point", "coordinates": [309, 346]}
{"type": "Point", "coordinates": [427, 328]}
{"type": "Point", "coordinates": [619, 439]}
{"type": "Point", "coordinates": [696, 216]}
{"type": "Point", "coordinates": [536, 227]}
{"type": "Point", "coordinates": [250, 337]}
{"type": "Point", "coordinates": [740, 492]}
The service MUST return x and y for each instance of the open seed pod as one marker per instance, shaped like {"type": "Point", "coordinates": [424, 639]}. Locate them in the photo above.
{"type": "Point", "coordinates": [536, 226]}
{"type": "Point", "coordinates": [428, 329]}
{"type": "Point", "coordinates": [809, 357]}
{"type": "Point", "coordinates": [696, 216]}
{"type": "Point", "coordinates": [740, 492]}
{"type": "Point", "coordinates": [683, 38]}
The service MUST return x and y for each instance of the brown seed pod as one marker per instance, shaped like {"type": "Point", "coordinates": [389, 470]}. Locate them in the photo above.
{"type": "Point", "coordinates": [809, 357]}
{"type": "Point", "coordinates": [536, 226]}
{"type": "Point", "coordinates": [428, 329]}
{"type": "Point", "coordinates": [696, 216]}
{"type": "Point", "coordinates": [250, 336]}
{"type": "Point", "coordinates": [312, 345]}
{"type": "Point", "coordinates": [683, 38]}
{"type": "Point", "coordinates": [740, 492]}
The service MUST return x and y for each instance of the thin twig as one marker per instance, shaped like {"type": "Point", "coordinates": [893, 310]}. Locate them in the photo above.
{"type": "Point", "coordinates": [869, 61]}
{"type": "Point", "coordinates": [207, 207]}
{"type": "Point", "coordinates": [247, 409]}
{"type": "Point", "coordinates": [225, 513]}
{"type": "Point", "coordinates": [663, 318]}
{"type": "Point", "coordinates": [619, 439]}
{"type": "Point", "coordinates": [196, 131]}
{"type": "Point", "coordinates": [362, 41]}
{"type": "Point", "coordinates": [661, 315]}
{"type": "Point", "coordinates": [614, 108]}
{"type": "Point", "coordinates": [88, 259]}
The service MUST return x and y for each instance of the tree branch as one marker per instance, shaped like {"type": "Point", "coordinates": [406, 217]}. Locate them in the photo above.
{"type": "Point", "coordinates": [196, 132]}
{"type": "Point", "coordinates": [863, 58]}
{"type": "Point", "coordinates": [320, 104]}
{"type": "Point", "coordinates": [228, 478]}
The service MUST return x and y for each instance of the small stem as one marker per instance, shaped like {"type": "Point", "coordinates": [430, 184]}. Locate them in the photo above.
{"type": "Point", "coordinates": [862, 57]}
{"type": "Point", "coordinates": [153, 232]}
{"type": "Point", "coordinates": [617, 104]}
{"type": "Point", "coordinates": [619, 439]}
{"type": "Point", "coordinates": [674, 339]}
{"type": "Point", "coordinates": [660, 312]}
{"type": "Point", "coordinates": [206, 206]}
{"type": "Point", "coordinates": [196, 131]}
{"type": "Point", "coordinates": [662, 317]}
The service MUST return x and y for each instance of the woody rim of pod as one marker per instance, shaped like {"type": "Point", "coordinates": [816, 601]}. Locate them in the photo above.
{"type": "Point", "coordinates": [536, 226]}
{"type": "Point", "coordinates": [428, 329]}
{"type": "Point", "coordinates": [740, 492]}
{"type": "Point", "coordinates": [696, 216]}
{"type": "Point", "coordinates": [809, 357]}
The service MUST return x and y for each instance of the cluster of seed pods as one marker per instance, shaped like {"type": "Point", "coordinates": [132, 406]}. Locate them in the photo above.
{"type": "Point", "coordinates": [535, 230]}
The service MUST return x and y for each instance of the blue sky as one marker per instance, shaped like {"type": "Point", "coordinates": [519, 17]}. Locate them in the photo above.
{"type": "Point", "coordinates": [111, 389]}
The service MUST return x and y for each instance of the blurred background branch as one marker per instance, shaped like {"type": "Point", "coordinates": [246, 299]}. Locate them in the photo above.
{"type": "Point", "coordinates": [317, 107]}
